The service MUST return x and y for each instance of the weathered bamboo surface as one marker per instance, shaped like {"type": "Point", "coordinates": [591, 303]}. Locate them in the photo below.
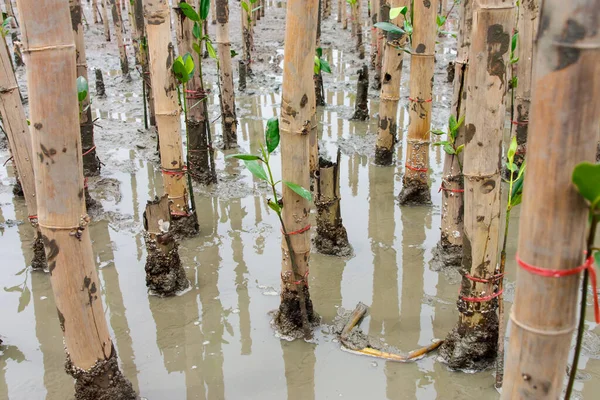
{"type": "Point", "coordinates": [229, 118]}
{"type": "Point", "coordinates": [565, 106]}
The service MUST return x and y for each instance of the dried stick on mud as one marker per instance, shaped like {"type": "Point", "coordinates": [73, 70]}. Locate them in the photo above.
{"type": "Point", "coordinates": [105, 4]}
{"type": "Point", "coordinates": [295, 312]}
{"type": "Point", "coordinates": [415, 183]}
{"type": "Point", "coordinates": [361, 108]}
{"type": "Point", "coordinates": [91, 163]}
{"type": "Point", "coordinates": [331, 237]}
{"type": "Point", "coordinates": [51, 70]}
{"type": "Point", "coordinates": [165, 275]}
{"type": "Point", "coordinates": [161, 49]}
{"type": "Point", "coordinates": [118, 24]}
{"type": "Point", "coordinates": [472, 344]}
{"type": "Point", "coordinates": [544, 316]}
{"type": "Point", "coordinates": [387, 125]}
{"type": "Point", "coordinates": [15, 125]}
{"type": "Point", "coordinates": [449, 248]}
{"type": "Point", "coordinates": [227, 90]}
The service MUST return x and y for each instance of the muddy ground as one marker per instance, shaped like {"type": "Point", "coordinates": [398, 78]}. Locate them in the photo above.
{"type": "Point", "coordinates": [214, 341]}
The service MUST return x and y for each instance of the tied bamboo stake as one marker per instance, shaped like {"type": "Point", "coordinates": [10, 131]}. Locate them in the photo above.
{"type": "Point", "coordinates": [158, 28]}
{"type": "Point", "coordinates": [449, 248]}
{"type": "Point", "coordinates": [228, 115]}
{"type": "Point", "coordinates": [297, 111]}
{"type": "Point", "coordinates": [544, 315]}
{"type": "Point", "coordinates": [51, 69]}
{"type": "Point", "coordinates": [415, 185]}
{"type": "Point", "coordinates": [472, 344]}
{"type": "Point", "coordinates": [91, 163]}
{"type": "Point", "coordinates": [387, 125]}
{"type": "Point", "coordinates": [116, 16]}
{"type": "Point", "coordinates": [527, 31]}
{"type": "Point", "coordinates": [14, 122]}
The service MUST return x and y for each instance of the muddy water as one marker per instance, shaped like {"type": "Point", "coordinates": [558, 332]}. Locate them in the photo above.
{"type": "Point", "coordinates": [214, 341]}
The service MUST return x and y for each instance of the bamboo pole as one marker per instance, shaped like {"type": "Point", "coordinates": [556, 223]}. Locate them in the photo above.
{"type": "Point", "coordinates": [198, 148]}
{"type": "Point", "coordinates": [51, 67]}
{"type": "Point", "coordinates": [213, 12]}
{"type": "Point", "coordinates": [318, 77]}
{"type": "Point", "coordinates": [472, 344]}
{"type": "Point", "coordinates": [344, 7]}
{"type": "Point", "coordinates": [390, 91]}
{"type": "Point", "coordinates": [227, 90]}
{"type": "Point", "coordinates": [357, 28]}
{"type": "Point", "coordinates": [91, 163]}
{"type": "Point", "coordinates": [527, 30]}
{"type": "Point", "coordinates": [340, 5]}
{"type": "Point", "coordinates": [565, 87]}
{"type": "Point", "coordinates": [449, 248]}
{"type": "Point", "coordinates": [383, 15]}
{"type": "Point", "coordinates": [161, 49]}
{"type": "Point", "coordinates": [331, 237]}
{"type": "Point", "coordinates": [134, 32]}
{"type": "Point", "coordinates": [95, 10]}
{"type": "Point", "coordinates": [15, 125]}
{"type": "Point", "coordinates": [118, 23]}
{"type": "Point", "coordinates": [415, 185]}
{"type": "Point", "coordinates": [374, 4]}
{"type": "Point", "coordinates": [105, 20]}
{"type": "Point", "coordinates": [143, 60]}
{"type": "Point", "coordinates": [247, 40]}
{"type": "Point", "coordinates": [297, 107]}
{"type": "Point", "coordinates": [361, 108]}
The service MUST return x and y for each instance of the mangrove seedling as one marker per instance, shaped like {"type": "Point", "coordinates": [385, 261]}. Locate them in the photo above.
{"type": "Point", "coordinates": [407, 27]}
{"type": "Point", "coordinates": [320, 65]}
{"type": "Point", "coordinates": [586, 178]}
{"type": "Point", "coordinates": [357, 27]}
{"type": "Point", "coordinates": [254, 164]}
{"type": "Point", "coordinates": [449, 145]}
{"type": "Point", "coordinates": [82, 94]}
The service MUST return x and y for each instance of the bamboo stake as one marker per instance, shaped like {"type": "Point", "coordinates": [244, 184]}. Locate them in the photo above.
{"type": "Point", "coordinates": [161, 49]}
{"type": "Point", "coordinates": [247, 40]}
{"type": "Point", "coordinates": [135, 39]}
{"type": "Point", "coordinates": [357, 28]}
{"type": "Point", "coordinates": [297, 111]}
{"type": "Point", "coordinates": [527, 29]}
{"type": "Point", "coordinates": [143, 60]}
{"type": "Point", "coordinates": [361, 108]}
{"type": "Point", "coordinates": [383, 15]}
{"type": "Point", "coordinates": [390, 92]}
{"type": "Point", "coordinates": [105, 20]}
{"type": "Point", "coordinates": [565, 100]}
{"type": "Point", "coordinates": [91, 163]}
{"type": "Point", "coordinates": [449, 247]}
{"type": "Point", "coordinates": [51, 67]}
{"type": "Point", "coordinates": [472, 344]}
{"type": "Point", "coordinates": [340, 5]}
{"type": "Point", "coordinates": [415, 185]}
{"type": "Point", "coordinates": [116, 16]}
{"type": "Point", "coordinates": [14, 123]}
{"type": "Point", "coordinates": [318, 78]}
{"type": "Point", "coordinates": [198, 149]}
{"type": "Point", "coordinates": [344, 7]}
{"type": "Point", "coordinates": [374, 4]}
{"type": "Point", "coordinates": [227, 90]}
{"type": "Point", "coordinates": [95, 10]}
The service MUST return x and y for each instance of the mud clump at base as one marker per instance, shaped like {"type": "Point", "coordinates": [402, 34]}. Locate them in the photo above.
{"type": "Point", "coordinates": [91, 205]}
{"type": "Point", "coordinates": [446, 255]}
{"type": "Point", "coordinates": [332, 241]}
{"type": "Point", "coordinates": [104, 381]}
{"type": "Point", "coordinates": [164, 274]}
{"type": "Point", "coordinates": [38, 261]}
{"type": "Point", "coordinates": [184, 227]}
{"type": "Point", "coordinates": [472, 348]}
{"type": "Point", "coordinates": [18, 189]}
{"type": "Point", "coordinates": [287, 320]}
{"type": "Point", "coordinates": [384, 156]}
{"type": "Point", "coordinates": [414, 194]}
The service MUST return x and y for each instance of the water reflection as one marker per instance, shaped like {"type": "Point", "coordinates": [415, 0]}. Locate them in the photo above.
{"type": "Point", "coordinates": [299, 359]}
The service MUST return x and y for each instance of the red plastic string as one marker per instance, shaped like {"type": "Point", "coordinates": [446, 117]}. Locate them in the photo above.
{"type": "Point", "coordinates": [32, 217]}
{"type": "Point", "coordinates": [89, 151]}
{"type": "Point", "coordinates": [176, 173]}
{"type": "Point", "coordinates": [85, 185]}
{"type": "Point", "coordinates": [299, 281]}
{"type": "Point", "coordinates": [482, 299]}
{"type": "Point", "coordinates": [197, 94]}
{"type": "Point", "coordinates": [492, 278]}
{"type": "Point", "coordinates": [559, 273]}
{"type": "Point", "coordinates": [301, 230]}
{"type": "Point", "coordinates": [522, 123]}
{"type": "Point", "coordinates": [450, 190]}
{"type": "Point", "coordinates": [419, 100]}
{"type": "Point", "coordinates": [416, 169]}
{"type": "Point", "coordinates": [180, 214]}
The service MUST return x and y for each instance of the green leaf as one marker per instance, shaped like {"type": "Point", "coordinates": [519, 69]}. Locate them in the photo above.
{"type": "Point", "coordinates": [24, 299]}
{"type": "Point", "coordinates": [438, 132]}
{"type": "Point", "coordinates": [396, 11]}
{"type": "Point", "coordinates": [274, 206]}
{"type": "Point", "coordinates": [586, 177]}
{"type": "Point", "coordinates": [299, 190]}
{"type": "Point", "coordinates": [256, 8]}
{"type": "Point", "coordinates": [257, 169]}
{"type": "Point", "coordinates": [245, 6]}
{"type": "Point", "coordinates": [13, 289]}
{"type": "Point", "coordinates": [179, 70]}
{"type": "Point", "coordinates": [204, 7]}
{"type": "Point", "coordinates": [246, 157]}
{"type": "Point", "coordinates": [319, 52]}
{"type": "Point", "coordinates": [253, 1]}
{"type": "Point", "coordinates": [197, 48]}
{"type": "Point", "coordinates": [452, 123]}
{"type": "Point", "coordinates": [460, 148]}
{"type": "Point", "coordinates": [233, 53]}
{"type": "Point", "coordinates": [449, 149]}
{"type": "Point", "coordinates": [196, 31]}
{"type": "Point", "coordinates": [272, 134]}
{"type": "Point", "coordinates": [82, 89]}
{"type": "Point", "coordinates": [408, 28]}
{"type": "Point", "coordinates": [324, 65]}
{"type": "Point", "coordinates": [512, 167]}
{"type": "Point", "coordinates": [442, 143]}
{"type": "Point", "coordinates": [512, 149]}
{"type": "Point", "coordinates": [211, 50]}
{"type": "Point", "coordinates": [388, 27]}
{"type": "Point", "coordinates": [440, 20]}
{"type": "Point", "coordinates": [513, 43]}
{"type": "Point", "coordinates": [317, 66]}
{"type": "Point", "coordinates": [597, 258]}
{"type": "Point", "coordinates": [189, 11]}
{"type": "Point", "coordinates": [188, 64]}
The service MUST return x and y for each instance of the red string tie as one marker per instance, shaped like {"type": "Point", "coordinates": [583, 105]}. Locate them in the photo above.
{"type": "Point", "coordinates": [491, 279]}
{"type": "Point", "coordinates": [304, 279]}
{"type": "Point", "coordinates": [415, 168]}
{"type": "Point", "coordinates": [445, 189]}
{"type": "Point", "coordinates": [85, 185]}
{"type": "Point", "coordinates": [559, 273]}
{"type": "Point", "coordinates": [32, 217]}
{"type": "Point", "coordinates": [197, 94]}
{"type": "Point", "coordinates": [522, 123]}
{"type": "Point", "coordinates": [301, 230]}
{"type": "Point", "coordinates": [89, 151]}
{"type": "Point", "coordinates": [417, 100]}
{"type": "Point", "coordinates": [181, 213]}
{"type": "Point", "coordinates": [178, 172]}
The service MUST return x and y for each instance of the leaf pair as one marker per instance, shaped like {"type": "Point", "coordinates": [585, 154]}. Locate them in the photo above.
{"type": "Point", "coordinates": [190, 13]}
{"type": "Point", "coordinates": [389, 27]}
{"type": "Point", "coordinates": [586, 177]}
{"type": "Point", "coordinates": [320, 63]}
{"type": "Point", "coordinates": [183, 68]}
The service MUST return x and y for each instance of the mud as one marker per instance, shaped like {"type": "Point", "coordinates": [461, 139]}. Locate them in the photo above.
{"type": "Point", "coordinates": [414, 194]}
{"type": "Point", "coordinates": [332, 241]}
{"type": "Point", "coordinates": [446, 255]}
{"type": "Point", "coordinates": [104, 381]}
{"type": "Point", "coordinates": [184, 227]}
{"type": "Point", "coordinates": [287, 320]}
{"type": "Point", "coordinates": [38, 262]}
{"type": "Point", "coordinates": [165, 275]}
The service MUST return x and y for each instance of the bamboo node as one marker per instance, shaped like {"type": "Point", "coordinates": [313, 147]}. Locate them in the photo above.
{"type": "Point", "coordinates": [580, 46]}
{"type": "Point", "coordinates": [46, 48]}
{"type": "Point", "coordinates": [389, 98]}
{"type": "Point", "coordinates": [418, 100]}
{"type": "Point", "coordinates": [540, 331]}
